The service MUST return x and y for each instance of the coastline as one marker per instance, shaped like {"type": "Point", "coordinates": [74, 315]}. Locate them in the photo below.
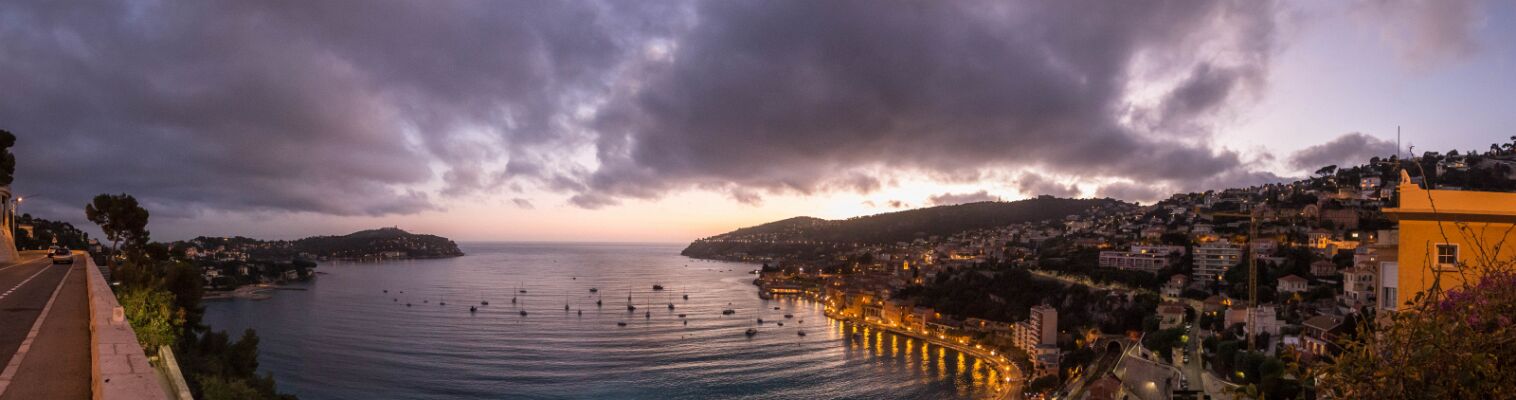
{"type": "Point", "coordinates": [999, 362]}
{"type": "Point", "coordinates": [996, 361]}
{"type": "Point", "coordinates": [258, 291]}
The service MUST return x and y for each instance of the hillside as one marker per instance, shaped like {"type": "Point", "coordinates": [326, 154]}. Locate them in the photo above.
{"type": "Point", "coordinates": [36, 234]}
{"type": "Point", "coordinates": [805, 234]}
{"type": "Point", "coordinates": [365, 244]}
{"type": "Point", "coordinates": [387, 243]}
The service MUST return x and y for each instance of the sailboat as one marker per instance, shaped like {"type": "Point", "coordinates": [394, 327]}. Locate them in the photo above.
{"type": "Point", "coordinates": [629, 306]}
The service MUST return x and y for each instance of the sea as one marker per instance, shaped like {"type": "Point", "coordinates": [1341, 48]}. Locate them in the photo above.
{"type": "Point", "coordinates": [380, 330]}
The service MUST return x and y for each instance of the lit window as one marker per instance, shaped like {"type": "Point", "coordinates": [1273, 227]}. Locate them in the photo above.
{"type": "Point", "coordinates": [1447, 255]}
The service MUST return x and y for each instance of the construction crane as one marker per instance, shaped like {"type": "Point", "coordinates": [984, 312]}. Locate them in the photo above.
{"type": "Point", "coordinates": [1252, 271]}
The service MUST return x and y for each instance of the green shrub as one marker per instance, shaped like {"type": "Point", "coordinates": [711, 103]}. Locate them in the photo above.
{"type": "Point", "coordinates": [153, 316]}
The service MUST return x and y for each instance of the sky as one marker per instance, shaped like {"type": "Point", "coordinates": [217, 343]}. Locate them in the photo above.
{"type": "Point", "coordinates": [666, 121]}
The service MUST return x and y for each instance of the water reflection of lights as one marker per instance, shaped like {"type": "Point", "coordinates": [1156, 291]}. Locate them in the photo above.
{"type": "Point", "coordinates": [941, 360]}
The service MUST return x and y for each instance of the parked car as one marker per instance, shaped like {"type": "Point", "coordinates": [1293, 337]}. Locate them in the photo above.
{"type": "Point", "coordinates": [61, 255]}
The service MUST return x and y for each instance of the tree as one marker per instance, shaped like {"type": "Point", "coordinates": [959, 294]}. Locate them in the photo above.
{"type": "Point", "coordinates": [1327, 171]}
{"type": "Point", "coordinates": [153, 317]}
{"type": "Point", "coordinates": [121, 219]}
{"type": "Point", "coordinates": [7, 160]}
{"type": "Point", "coordinates": [1042, 385]}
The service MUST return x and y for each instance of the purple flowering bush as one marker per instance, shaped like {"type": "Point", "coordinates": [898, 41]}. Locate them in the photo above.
{"type": "Point", "coordinates": [1461, 345]}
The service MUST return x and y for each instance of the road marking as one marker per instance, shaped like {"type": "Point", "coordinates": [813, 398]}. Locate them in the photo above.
{"type": "Point", "coordinates": [15, 364]}
{"type": "Point", "coordinates": [23, 283]}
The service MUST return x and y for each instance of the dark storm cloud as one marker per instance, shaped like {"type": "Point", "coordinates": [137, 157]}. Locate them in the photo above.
{"type": "Point", "coordinates": [1035, 185]}
{"type": "Point", "coordinates": [793, 96]}
{"type": "Point", "coordinates": [331, 107]}
{"type": "Point", "coordinates": [381, 107]}
{"type": "Point", "coordinates": [1349, 149]}
{"type": "Point", "coordinates": [947, 199]}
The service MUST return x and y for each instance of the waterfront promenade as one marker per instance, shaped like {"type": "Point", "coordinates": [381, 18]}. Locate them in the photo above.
{"type": "Point", "coordinates": [1014, 378]}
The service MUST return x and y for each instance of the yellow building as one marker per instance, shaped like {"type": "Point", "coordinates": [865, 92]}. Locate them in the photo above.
{"type": "Point", "coordinates": [1450, 234]}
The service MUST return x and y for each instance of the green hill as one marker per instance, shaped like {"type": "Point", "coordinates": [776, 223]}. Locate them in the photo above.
{"type": "Point", "coordinates": [803, 234]}
{"type": "Point", "coordinates": [363, 244]}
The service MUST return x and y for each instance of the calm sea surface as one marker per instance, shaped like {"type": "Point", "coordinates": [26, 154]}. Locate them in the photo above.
{"type": "Point", "coordinates": [344, 338]}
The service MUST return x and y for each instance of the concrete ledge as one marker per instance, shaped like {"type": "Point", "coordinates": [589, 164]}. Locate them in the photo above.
{"type": "Point", "coordinates": [119, 368]}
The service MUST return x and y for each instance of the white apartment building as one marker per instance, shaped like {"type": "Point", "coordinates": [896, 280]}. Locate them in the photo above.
{"type": "Point", "coordinates": [1038, 336]}
{"type": "Point", "coordinates": [1213, 259]}
{"type": "Point", "coordinates": [1133, 261]}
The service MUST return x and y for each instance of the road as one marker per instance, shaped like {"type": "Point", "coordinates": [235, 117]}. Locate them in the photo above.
{"type": "Point", "coordinates": [49, 359]}
{"type": "Point", "coordinates": [1102, 366]}
{"type": "Point", "coordinates": [1196, 366]}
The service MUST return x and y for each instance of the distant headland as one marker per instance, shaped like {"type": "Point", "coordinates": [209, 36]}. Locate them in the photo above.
{"type": "Point", "coordinates": [373, 244]}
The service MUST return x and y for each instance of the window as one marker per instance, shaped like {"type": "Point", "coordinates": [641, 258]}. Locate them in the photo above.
{"type": "Point", "coordinates": [1447, 255]}
{"type": "Point", "coordinates": [1388, 300]}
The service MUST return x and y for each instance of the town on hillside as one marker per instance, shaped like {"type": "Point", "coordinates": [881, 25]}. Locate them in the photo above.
{"type": "Point", "coordinates": [1200, 293]}
{"type": "Point", "coordinates": [227, 263]}
{"type": "Point", "coordinates": [230, 262]}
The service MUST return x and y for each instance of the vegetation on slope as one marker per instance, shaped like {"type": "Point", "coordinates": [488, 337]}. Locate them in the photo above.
{"type": "Point", "coordinates": [806, 233]}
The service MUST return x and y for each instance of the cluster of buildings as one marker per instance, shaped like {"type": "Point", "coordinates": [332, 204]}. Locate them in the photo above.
{"type": "Point", "coordinates": [1328, 251]}
{"type": "Point", "coordinates": [1037, 336]}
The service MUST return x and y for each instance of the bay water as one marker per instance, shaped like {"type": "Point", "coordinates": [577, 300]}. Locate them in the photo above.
{"type": "Point", "coordinates": [344, 337]}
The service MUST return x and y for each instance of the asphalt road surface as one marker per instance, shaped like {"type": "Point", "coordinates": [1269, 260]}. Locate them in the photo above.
{"type": "Point", "coordinates": [56, 362]}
